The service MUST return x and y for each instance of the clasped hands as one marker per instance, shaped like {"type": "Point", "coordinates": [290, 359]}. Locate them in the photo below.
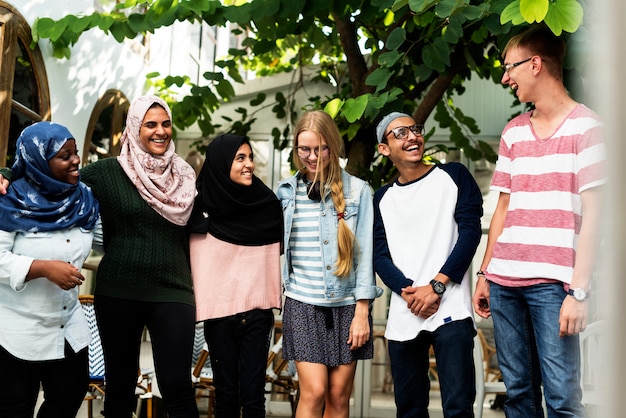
{"type": "Point", "coordinates": [421, 300]}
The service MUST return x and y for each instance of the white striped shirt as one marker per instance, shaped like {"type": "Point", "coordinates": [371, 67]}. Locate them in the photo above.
{"type": "Point", "coordinates": [306, 255]}
{"type": "Point", "coordinates": [544, 178]}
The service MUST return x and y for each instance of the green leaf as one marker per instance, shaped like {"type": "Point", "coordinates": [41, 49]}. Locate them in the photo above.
{"type": "Point", "coordinates": [436, 55]}
{"type": "Point", "coordinates": [43, 26]}
{"type": "Point", "coordinates": [422, 72]}
{"type": "Point", "coordinates": [353, 130]}
{"type": "Point", "coordinates": [446, 8]}
{"type": "Point", "coordinates": [488, 151]}
{"type": "Point", "coordinates": [265, 8]}
{"type": "Point", "coordinates": [379, 78]}
{"type": "Point", "coordinates": [453, 31]}
{"type": "Point", "coordinates": [333, 107]}
{"type": "Point", "coordinates": [120, 31]}
{"type": "Point", "coordinates": [61, 51]}
{"type": "Point", "coordinates": [104, 22]}
{"type": "Point", "coordinates": [511, 13]}
{"type": "Point", "coordinates": [162, 6]}
{"type": "Point", "coordinates": [418, 6]}
{"type": "Point", "coordinates": [475, 12]}
{"type": "Point", "coordinates": [533, 10]}
{"type": "Point", "coordinates": [138, 23]}
{"type": "Point", "coordinates": [388, 59]}
{"type": "Point", "coordinates": [377, 101]}
{"type": "Point", "coordinates": [81, 24]}
{"type": "Point", "coordinates": [48, 28]}
{"type": "Point", "coordinates": [396, 38]}
{"type": "Point", "coordinates": [225, 89]}
{"type": "Point", "coordinates": [353, 109]}
{"type": "Point", "coordinates": [260, 98]}
{"type": "Point", "coordinates": [200, 6]}
{"type": "Point", "coordinates": [479, 35]}
{"type": "Point", "coordinates": [263, 46]}
{"type": "Point", "coordinates": [564, 15]}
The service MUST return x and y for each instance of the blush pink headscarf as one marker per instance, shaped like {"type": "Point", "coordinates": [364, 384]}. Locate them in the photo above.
{"type": "Point", "coordinates": [166, 182]}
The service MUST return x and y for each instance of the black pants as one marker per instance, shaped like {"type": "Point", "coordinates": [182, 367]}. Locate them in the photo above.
{"type": "Point", "coordinates": [238, 346]}
{"type": "Point", "coordinates": [64, 384]}
{"type": "Point", "coordinates": [172, 327]}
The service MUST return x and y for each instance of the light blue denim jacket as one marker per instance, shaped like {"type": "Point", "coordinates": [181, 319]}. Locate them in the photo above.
{"type": "Point", "coordinates": [359, 215]}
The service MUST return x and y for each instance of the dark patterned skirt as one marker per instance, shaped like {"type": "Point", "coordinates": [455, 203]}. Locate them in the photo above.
{"type": "Point", "coordinates": [317, 334]}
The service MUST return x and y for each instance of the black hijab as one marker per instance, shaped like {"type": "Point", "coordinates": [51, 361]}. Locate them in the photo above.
{"type": "Point", "coordinates": [242, 215]}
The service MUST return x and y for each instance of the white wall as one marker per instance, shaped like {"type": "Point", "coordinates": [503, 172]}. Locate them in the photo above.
{"type": "Point", "coordinates": [98, 63]}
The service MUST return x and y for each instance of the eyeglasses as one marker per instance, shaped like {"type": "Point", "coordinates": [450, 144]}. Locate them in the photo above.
{"type": "Point", "coordinates": [508, 67]}
{"type": "Point", "coordinates": [401, 133]}
{"type": "Point", "coordinates": [304, 152]}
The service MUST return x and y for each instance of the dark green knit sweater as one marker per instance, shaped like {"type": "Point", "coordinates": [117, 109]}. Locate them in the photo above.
{"type": "Point", "coordinates": [146, 256]}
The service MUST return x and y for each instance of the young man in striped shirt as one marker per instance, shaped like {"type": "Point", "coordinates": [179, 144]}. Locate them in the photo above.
{"type": "Point", "coordinates": [535, 276]}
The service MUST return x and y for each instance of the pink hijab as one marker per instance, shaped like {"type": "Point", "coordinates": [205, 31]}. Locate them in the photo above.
{"type": "Point", "coordinates": [166, 182]}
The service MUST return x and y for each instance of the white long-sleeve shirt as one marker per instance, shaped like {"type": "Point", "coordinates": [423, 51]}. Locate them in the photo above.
{"type": "Point", "coordinates": [36, 317]}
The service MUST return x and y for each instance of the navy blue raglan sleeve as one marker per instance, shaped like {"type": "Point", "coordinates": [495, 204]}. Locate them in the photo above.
{"type": "Point", "coordinates": [383, 264]}
{"type": "Point", "coordinates": [469, 209]}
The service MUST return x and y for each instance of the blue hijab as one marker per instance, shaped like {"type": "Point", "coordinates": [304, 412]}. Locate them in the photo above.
{"type": "Point", "coordinates": [35, 201]}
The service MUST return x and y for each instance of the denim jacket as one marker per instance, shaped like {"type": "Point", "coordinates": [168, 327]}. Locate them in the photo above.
{"type": "Point", "coordinates": [359, 215]}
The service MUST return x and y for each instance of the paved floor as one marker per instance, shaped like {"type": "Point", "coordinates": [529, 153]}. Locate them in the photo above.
{"type": "Point", "coordinates": [380, 401]}
{"type": "Point", "coordinates": [434, 413]}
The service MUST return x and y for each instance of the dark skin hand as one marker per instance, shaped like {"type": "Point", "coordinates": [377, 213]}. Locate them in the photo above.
{"type": "Point", "coordinates": [63, 274]}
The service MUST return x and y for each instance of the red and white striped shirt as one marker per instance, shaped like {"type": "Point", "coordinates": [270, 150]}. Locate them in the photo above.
{"type": "Point", "coordinates": [544, 178]}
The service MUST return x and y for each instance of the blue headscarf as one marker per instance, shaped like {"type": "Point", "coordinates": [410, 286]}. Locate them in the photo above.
{"type": "Point", "coordinates": [35, 201]}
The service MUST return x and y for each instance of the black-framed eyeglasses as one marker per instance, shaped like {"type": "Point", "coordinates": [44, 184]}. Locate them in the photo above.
{"type": "Point", "coordinates": [304, 152]}
{"type": "Point", "coordinates": [508, 67]}
{"type": "Point", "coordinates": [401, 133]}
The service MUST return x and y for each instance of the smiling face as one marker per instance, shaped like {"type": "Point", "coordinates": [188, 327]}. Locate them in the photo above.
{"type": "Point", "coordinates": [518, 76]}
{"type": "Point", "coordinates": [64, 165]}
{"type": "Point", "coordinates": [155, 133]}
{"type": "Point", "coordinates": [309, 140]}
{"type": "Point", "coordinates": [407, 151]}
{"type": "Point", "coordinates": [242, 167]}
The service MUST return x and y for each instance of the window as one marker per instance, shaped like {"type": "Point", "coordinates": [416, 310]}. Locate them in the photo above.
{"type": "Point", "coordinates": [24, 94]}
{"type": "Point", "coordinates": [105, 127]}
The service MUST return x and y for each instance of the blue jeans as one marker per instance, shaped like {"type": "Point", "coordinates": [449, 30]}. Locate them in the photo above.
{"type": "Point", "coordinates": [453, 344]}
{"type": "Point", "coordinates": [238, 347]}
{"type": "Point", "coordinates": [530, 351]}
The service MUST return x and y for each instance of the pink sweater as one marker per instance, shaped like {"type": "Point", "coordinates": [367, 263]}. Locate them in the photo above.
{"type": "Point", "coordinates": [230, 279]}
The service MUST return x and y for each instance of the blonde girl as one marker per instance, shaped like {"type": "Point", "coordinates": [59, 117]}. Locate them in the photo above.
{"type": "Point", "coordinates": [328, 275]}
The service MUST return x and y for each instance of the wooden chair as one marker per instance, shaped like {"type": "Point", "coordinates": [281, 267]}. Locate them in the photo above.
{"type": "Point", "coordinates": [387, 386]}
{"type": "Point", "coordinates": [592, 364]}
{"type": "Point", "coordinates": [282, 376]}
{"type": "Point", "coordinates": [97, 387]}
{"type": "Point", "coordinates": [483, 386]}
{"type": "Point", "coordinates": [492, 371]}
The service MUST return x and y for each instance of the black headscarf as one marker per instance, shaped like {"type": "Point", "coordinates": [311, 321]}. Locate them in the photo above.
{"type": "Point", "coordinates": [242, 215]}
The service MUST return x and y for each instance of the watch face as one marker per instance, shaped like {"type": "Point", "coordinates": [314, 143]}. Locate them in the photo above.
{"type": "Point", "coordinates": [438, 287]}
{"type": "Point", "coordinates": [580, 294]}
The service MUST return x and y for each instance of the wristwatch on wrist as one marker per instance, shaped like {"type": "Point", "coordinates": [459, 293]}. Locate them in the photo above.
{"type": "Point", "coordinates": [579, 294]}
{"type": "Point", "coordinates": [438, 287]}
